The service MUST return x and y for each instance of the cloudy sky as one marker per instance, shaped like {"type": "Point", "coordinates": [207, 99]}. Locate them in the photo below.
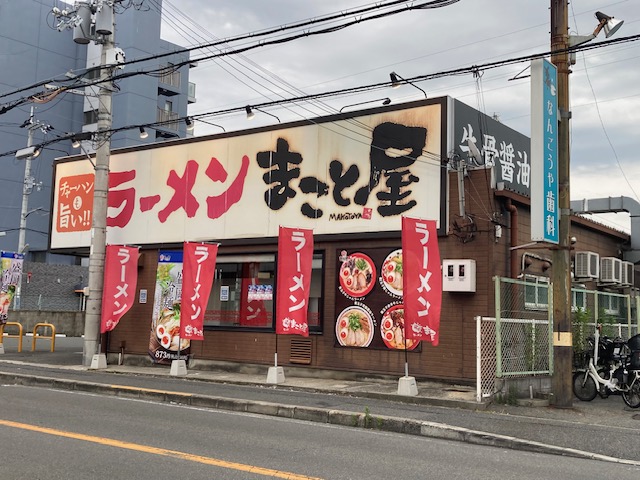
{"type": "Point", "coordinates": [604, 85]}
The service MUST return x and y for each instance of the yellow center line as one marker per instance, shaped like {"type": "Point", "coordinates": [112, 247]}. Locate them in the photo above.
{"type": "Point", "coordinates": [159, 451]}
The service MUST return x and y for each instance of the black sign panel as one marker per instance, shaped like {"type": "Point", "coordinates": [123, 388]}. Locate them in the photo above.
{"type": "Point", "coordinates": [498, 146]}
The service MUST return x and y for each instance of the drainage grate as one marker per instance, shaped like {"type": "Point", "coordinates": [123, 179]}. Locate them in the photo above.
{"type": "Point", "coordinates": [300, 351]}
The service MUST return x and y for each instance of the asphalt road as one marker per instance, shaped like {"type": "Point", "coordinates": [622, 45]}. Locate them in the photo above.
{"type": "Point", "coordinates": [604, 426]}
{"type": "Point", "coordinates": [617, 437]}
{"type": "Point", "coordinates": [69, 435]}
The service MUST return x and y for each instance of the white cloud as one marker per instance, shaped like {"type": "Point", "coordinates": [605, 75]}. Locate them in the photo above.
{"type": "Point", "coordinates": [429, 41]}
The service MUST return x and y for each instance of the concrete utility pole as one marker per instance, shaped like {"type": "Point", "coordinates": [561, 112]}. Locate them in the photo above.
{"type": "Point", "coordinates": [26, 187]}
{"type": "Point", "coordinates": [29, 181]}
{"type": "Point", "coordinates": [99, 215]}
{"type": "Point", "coordinates": [561, 273]}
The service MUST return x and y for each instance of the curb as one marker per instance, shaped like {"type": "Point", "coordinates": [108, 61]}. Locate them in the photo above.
{"type": "Point", "coordinates": [433, 401]}
{"type": "Point", "coordinates": [333, 417]}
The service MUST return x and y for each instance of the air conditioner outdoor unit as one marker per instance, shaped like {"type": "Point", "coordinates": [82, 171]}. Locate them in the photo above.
{"type": "Point", "coordinates": [610, 270]}
{"type": "Point", "coordinates": [627, 274]}
{"type": "Point", "coordinates": [587, 265]}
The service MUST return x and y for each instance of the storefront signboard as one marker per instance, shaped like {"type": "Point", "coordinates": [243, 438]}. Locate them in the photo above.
{"type": "Point", "coordinates": [350, 175]}
{"type": "Point", "coordinates": [482, 141]}
{"type": "Point", "coordinates": [545, 204]}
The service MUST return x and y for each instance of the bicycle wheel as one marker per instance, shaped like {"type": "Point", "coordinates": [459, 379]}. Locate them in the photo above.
{"type": "Point", "coordinates": [584, 387]}
{"type": "Point", "coordinates": [632, 397]}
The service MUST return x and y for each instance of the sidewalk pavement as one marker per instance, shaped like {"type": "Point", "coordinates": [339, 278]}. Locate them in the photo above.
{"type": "Point", "coordinates": [329, 399]}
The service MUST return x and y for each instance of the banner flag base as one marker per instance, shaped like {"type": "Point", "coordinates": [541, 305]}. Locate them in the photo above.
{"type": "Point", "coordinates": [407, 386]}
{"type": "Point", "coordinates": [98, 362]}
{"type": "Point", "coordinates": [275, 375]}
{"type": "Point", "coordinates": [178, 368]}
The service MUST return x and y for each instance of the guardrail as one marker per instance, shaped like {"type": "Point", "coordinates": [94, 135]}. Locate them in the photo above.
{"type": "Point", "coordinates": [18, 336]}
{"type": "Point", "coordinates": [52, 338]}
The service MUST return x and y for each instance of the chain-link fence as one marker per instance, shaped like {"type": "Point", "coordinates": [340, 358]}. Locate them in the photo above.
{"type": "Point", "coordinates": [485, 357]}
{"type": "Point", "coordinates": [512, 347]}
{"type": "Point", "coordinates": [523, 328]}
{"type": "Point", "coordinates": [518, 341]}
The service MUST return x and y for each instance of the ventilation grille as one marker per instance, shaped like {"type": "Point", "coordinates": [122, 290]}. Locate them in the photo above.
{"type": "Point", "coordinates": [627, 274]}
{"type": "Point", "coordinates": [300, 351]}
{"type": "Point", "coordinates": [587, 265]}
{"type": "Point", "coordinates": [610, 270]}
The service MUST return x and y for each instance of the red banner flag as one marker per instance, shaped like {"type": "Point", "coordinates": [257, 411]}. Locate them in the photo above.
{"type": "Point", "coordinates": [295, 258]}
{"type": "Point", "coordinates": [120, 280]}
{"type": "Point", "coordinates": [198, 267]}
{"type": "Point", "coordinates": [422, 280]}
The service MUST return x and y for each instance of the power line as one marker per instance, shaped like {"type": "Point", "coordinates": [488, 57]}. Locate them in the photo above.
{"type": "Point", "coordinates": [604, 128]}
{"type": "Point", "coordinates": [250, 36]}
{"type": "Point", "coordinates": [362, 88]}
{"type": "Point", "coordinates": [163, 70]}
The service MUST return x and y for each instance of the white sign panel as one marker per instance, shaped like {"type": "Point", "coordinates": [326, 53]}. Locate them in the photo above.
{"type": "Point", "coordinates": [545, 214]}
{"type": "Point", "coordinates": [224, 293]}
{"type": "Point", "coordinates": [355, 175]}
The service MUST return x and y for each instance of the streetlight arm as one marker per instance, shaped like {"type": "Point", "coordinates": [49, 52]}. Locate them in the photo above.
{"type": "Point", "coordinates": [575, 40]}
{"type": "Point", "coordinates": [599, 28]}
{"type": "Point", "coordinates": [603, 21]}
{"type": "Point", "coordinates": [33, 211]}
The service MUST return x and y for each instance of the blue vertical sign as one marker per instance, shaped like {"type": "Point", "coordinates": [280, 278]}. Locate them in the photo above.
{"type": "Point", "coordinates": [545, 211]}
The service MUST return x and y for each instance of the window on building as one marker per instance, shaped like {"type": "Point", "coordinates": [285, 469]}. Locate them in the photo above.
{"type": "Point", "coordinates": [90, 117]}
{"type": "Point", "coordinates": [609, 303]}
{"type": "Point", "coordinates": [243, 294]}
{"type": "Point", "coordinates": [578, 300]}
{"type": "Point", "coordinates": [536, 292]}
{"type": "Point", "coordinates": [170, 75]}
{"type": "Point", "coordinates": [168, 106]}
{"type": "Point", "coordinates": [315, 294]}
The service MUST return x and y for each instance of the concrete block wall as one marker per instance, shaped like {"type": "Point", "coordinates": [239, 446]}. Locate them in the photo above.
{"type": "Point", "coordinates": [48, 295]}
{"type": "Point", "coordinates": [70, 324]}
{"type": "Point", "coordinates": [52, 287]}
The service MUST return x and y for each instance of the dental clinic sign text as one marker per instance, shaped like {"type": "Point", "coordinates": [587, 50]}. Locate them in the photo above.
{"type": "Point", "coordinates": [353, 175]}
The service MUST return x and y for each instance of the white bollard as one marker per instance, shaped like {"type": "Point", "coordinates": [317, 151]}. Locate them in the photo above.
{"type": "Point", "coordinates": [98, 361]}
{"type": "Point", "coordinates": [178, 368]}
{"type": "Point", "coordinates": [275, 375]}
{"type": "Point", "coordinates": [407, 386]}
